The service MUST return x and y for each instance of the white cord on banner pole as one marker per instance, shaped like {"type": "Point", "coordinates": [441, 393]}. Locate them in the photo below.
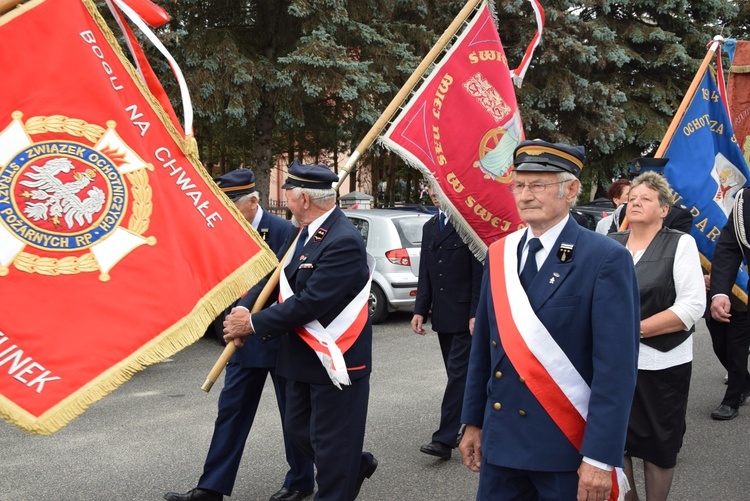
{"type": "Point", "coordinates": [187, 104]}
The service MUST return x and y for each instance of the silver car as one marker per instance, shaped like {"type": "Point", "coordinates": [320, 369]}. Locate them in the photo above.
{"type": "Point", "coordinates": [393, 238]}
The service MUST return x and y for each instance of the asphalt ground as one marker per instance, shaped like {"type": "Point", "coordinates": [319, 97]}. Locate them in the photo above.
{"type": "Point", "coordinates": [151, 435]}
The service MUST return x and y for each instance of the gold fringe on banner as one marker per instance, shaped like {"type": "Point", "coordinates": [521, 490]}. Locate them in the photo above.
{"type": "Point", "coordinates": [184, 332]}
{"type": "Point", "coordinates": [180, 335]}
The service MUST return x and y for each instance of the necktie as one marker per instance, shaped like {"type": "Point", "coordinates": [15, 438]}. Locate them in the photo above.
{"type": "Point", "coordinates": [300, 243]}
{"type": "Point", "coordinates": [442, 221]}
{"type": "Point", "coordinates": [529, 268]}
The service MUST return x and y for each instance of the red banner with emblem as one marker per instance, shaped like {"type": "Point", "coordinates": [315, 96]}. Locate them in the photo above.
{"type": "Point", "coordinates": [738, 95]}
{"type": "Point", "coordinates": [460, 129]}
{"type": "Point", "coordinates": [116, 248]}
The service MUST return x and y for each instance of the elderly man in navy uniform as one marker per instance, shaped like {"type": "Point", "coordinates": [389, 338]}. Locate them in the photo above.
{"type": "Point", "coordinates": [449, 280]}
{"type": "Point", "coordinates": [246, 376]}
{"type": "Point", "coordinates": [326, 336]}
{"type": "Point", "coordinates": [552, 368]}
{"type": "Point", "coordinates": [730, 325]}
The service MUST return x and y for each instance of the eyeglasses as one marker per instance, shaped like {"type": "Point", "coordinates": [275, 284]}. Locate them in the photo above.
{"type": "Point", "coordinates": [517, 188]}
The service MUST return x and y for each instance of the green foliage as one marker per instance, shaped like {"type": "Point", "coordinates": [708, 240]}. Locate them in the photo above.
{"type": "Point", "coordinates": [609, 74]}
{"type": "Point", "coordinates": [302, 77]}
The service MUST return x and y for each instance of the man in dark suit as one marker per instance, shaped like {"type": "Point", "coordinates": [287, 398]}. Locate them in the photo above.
{"type": "Point", "coordinates": [730, 328]}
{"type": "Point", "coordinates": [326, 336]}
{"type": "Point", "coordinates": [449, 280]}
{"type": "Point", "coordinates": [554, 353]}
{"type": "Point", "coordinates": [245, 377]}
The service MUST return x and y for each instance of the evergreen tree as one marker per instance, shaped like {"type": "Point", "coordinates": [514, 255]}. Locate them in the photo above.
{"type": "Point", "coordinates": [609, 74]}
{"type": "Point", "coordinates": [287, 76]}
{"type": "Point", "coordinates": [298, 77]}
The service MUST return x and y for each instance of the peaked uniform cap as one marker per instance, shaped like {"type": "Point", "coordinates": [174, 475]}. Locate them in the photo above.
{"type": "Point", "coordinates": [541, 156]}
{"type": "Point", "coordinates": [312, 176]}
{"type": "Point", "coordinates": [645, 164]}
{"type": "Point", "coordinates": [237, 183]}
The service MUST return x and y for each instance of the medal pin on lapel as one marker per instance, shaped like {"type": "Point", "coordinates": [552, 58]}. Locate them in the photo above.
{"type": "Point", "coordinates": [554, 276]}
{"type": "Point", "coordinates": [320, 234]}
{"type": "Point", "coordinates": [565, 252]}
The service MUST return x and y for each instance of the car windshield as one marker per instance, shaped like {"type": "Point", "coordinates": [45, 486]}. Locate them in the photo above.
{"type": "Point", "coordinates": [410, 230]}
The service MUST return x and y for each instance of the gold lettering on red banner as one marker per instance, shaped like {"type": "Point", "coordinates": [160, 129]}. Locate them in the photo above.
{"type": "Point", "coordinates": [487, 55]}
{"type": "Point", "coordinates": [442, 90]}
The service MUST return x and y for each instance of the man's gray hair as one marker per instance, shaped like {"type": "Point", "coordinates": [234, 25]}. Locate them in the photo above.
{"type": "Point", "coordinates": [320, 197]}
{"type": "Point", "coordinates": [248, 196]}
{"type": "Point", "coordinates": [566, 176]}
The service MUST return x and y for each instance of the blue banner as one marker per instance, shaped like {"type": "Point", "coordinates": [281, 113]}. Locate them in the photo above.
{"type": "Point", "coordinates": [706, 169]}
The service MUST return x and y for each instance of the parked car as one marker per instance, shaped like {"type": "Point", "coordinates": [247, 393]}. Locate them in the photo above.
{"type": "Point", "coordinates": [595, 210]}
{"type": "Point", "coordinates": [393, 238]}
{"type": "Point", "coordinates": [427, 209]}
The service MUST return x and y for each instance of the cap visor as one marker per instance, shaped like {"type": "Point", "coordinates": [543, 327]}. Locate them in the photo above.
{"type": "Point", "coordinates": [532, 167]}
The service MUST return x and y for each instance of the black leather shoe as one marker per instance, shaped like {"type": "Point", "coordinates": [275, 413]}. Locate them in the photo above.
{"type": "Point", "coordinates": [743, 397]}
{"type": "Point", "coordinates": [286, 494]}
{"type": "Point", "coordinates": [724, 413]}
{"type": "Point", "coordinates": [195, 495]}
{"type": "Point", "coordinates": [367, 467]}
{"type": "Point", "coordinates": [436, 449]}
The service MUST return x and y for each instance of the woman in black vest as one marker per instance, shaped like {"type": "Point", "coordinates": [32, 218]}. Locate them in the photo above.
{"type": "Point", "coordinates": [672, 293]}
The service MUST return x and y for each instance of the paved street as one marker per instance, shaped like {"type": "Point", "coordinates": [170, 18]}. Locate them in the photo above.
{"type": "Point", "coordinates": [151, 435]}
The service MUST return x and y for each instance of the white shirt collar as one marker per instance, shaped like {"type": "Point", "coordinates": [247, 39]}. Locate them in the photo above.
{"type": "Point", "coordinates": [313, 226]}
{"type": "Point", "coordinates": [258, 216]}
{"type": "Point", "coordinates": [547, 239]}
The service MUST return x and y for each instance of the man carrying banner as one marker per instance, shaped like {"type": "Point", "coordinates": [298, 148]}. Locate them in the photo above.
{"type": "Point", "coordinates": [732, 350]}
{"type": "Point", "coordinates": [553, 360]}
{"type": "Point", "coordinates": [326, 335]}
{"type": "Point", "coordinates": [246, 376]}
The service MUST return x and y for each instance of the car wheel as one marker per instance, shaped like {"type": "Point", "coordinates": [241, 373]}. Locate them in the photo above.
{"type": "Point", "coordinates": [378, 305]}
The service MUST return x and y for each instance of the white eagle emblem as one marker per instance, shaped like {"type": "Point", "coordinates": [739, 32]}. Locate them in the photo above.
{"type": "Point", "coordinates": [61, 199]}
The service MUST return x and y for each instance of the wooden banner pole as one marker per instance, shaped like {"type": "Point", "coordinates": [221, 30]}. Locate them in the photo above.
{"type": "Point", "coordinates": [6, 5]}
{"type": "Point", "coordinates": [685, 104]}
{"type": "Point", "coordinates": [230, 348]}
{"type": "Point", "coordinates": [405, 90]}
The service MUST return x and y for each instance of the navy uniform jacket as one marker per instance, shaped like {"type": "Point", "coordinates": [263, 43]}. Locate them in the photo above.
{"type": "Point", "coordinates": [592, 311]}
{"type": "Point", "coordinates": [728, 254]}
{"type": "Point", "coordinates": [274, 231]}
{"type": "Point", "coordinates": [449, 279]}
{"type": "Point", "coordinates": [335, 270]}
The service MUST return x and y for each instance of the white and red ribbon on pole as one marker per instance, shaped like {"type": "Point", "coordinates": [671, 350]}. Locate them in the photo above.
{"type": "Point", "coordinates": [519, 73]}
{"type": "Point", "coordinates": [144, 13]}
{"type": "Point", "coordinates": [720, 82]}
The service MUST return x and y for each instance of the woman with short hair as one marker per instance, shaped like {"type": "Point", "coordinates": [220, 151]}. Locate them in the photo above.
{"type": "Point", "coordinates": [672, 296]}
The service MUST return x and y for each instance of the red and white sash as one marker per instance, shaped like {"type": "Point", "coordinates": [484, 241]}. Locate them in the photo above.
{"type": "Point", "coordinates": [330, 343]}
{"type": "Point", "coordinates": [549, 373]}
